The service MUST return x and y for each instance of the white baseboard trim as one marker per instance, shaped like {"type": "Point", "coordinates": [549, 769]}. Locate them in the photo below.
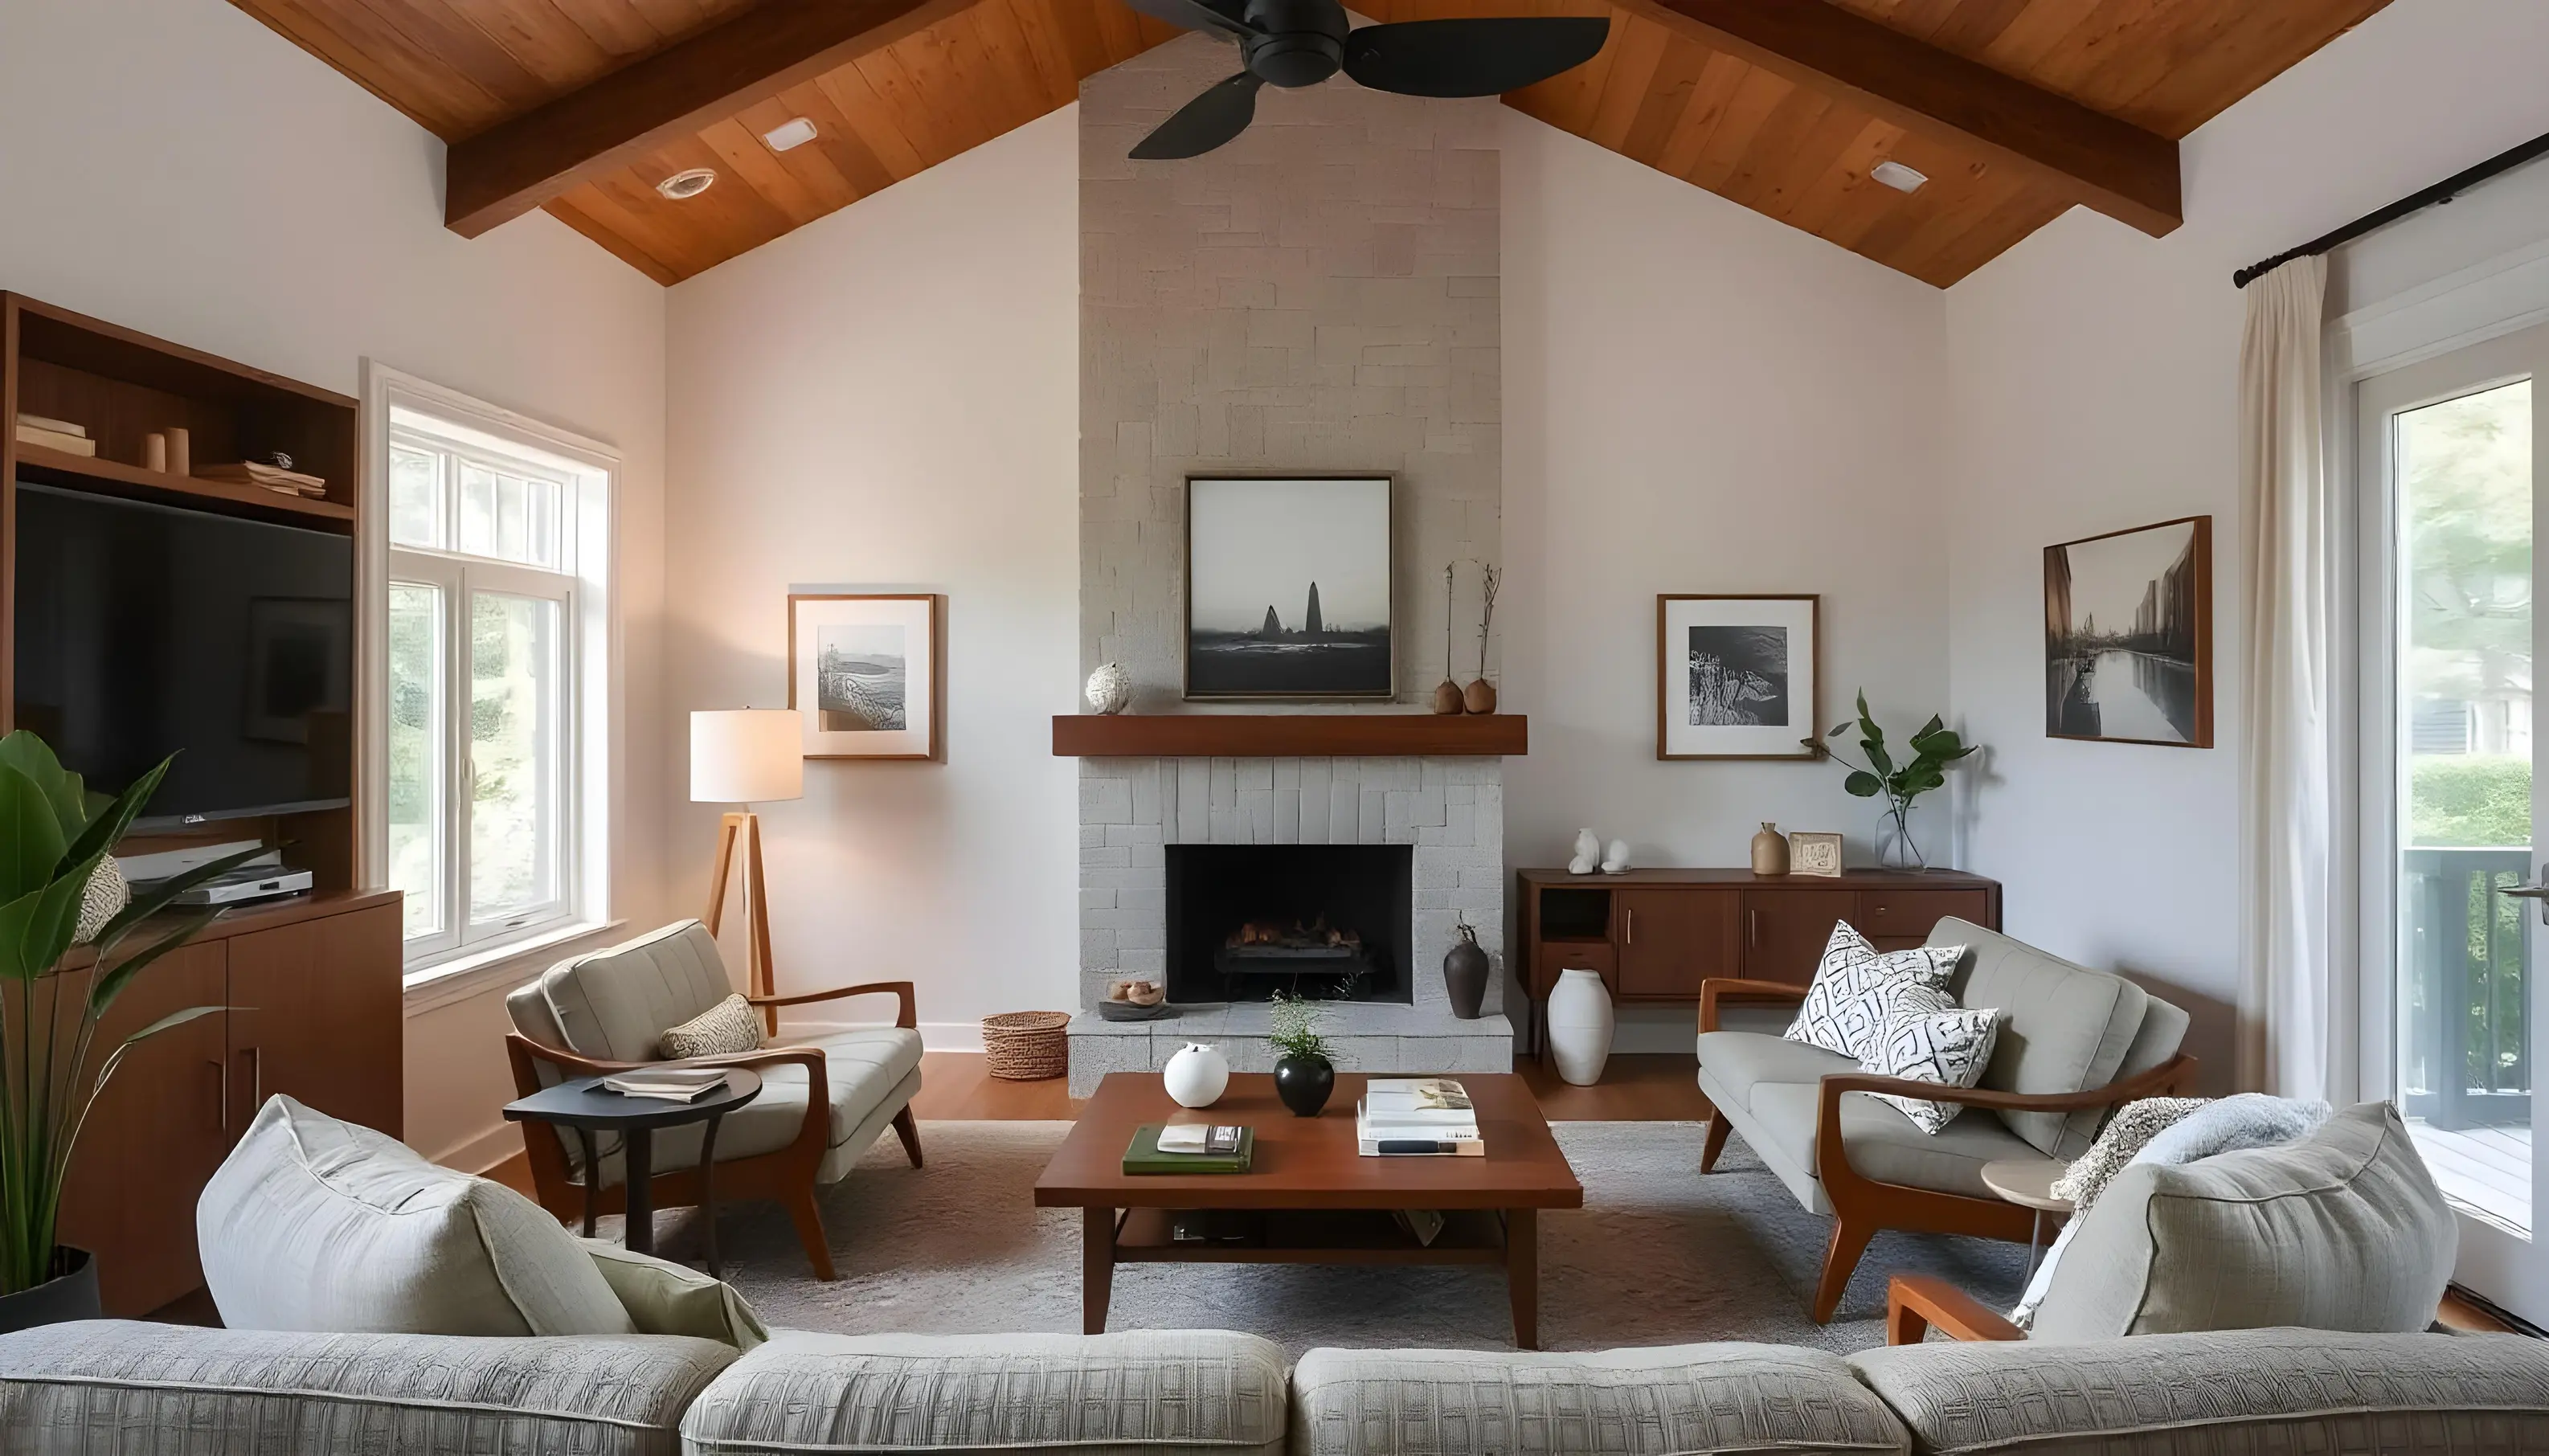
{"type": "Point", "coordinates": [935, 1035]}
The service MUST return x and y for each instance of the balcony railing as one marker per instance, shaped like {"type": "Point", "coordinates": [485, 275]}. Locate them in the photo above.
{"type": "Point", "coordinates": [2466, 1005]}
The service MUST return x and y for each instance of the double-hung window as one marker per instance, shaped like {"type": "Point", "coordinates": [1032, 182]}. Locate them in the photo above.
{"type": "Point", "coordinates": [494, 666]}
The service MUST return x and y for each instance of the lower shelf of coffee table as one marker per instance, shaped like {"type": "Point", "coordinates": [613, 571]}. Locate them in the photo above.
{"type": "Point", "coordinates": [1315, 1237]}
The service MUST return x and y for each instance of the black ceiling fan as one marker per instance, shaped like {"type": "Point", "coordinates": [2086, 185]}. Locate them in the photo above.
{"type": "Point", "coordinates": [1301, 43]}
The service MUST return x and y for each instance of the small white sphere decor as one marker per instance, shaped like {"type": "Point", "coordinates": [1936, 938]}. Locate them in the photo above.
{"type": "Point", "coordinates": [1198, 1075]}
{"type": "Point", "coordinates": [1615, 859]}
{"type": "Point", "coordinates": [1110, 688]}
{"type": "Point", "coordinates": [1581, 1022]}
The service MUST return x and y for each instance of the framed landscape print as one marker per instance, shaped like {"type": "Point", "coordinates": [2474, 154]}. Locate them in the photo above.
{"type": "Point", "coordinates": [1736, 676]}
{"type": "Point", "coordinates": [2128, 636]}
{"type": "Point", "coordinates": [867, 675]}
{"type": "Point", "coordinates": [1288, 589]}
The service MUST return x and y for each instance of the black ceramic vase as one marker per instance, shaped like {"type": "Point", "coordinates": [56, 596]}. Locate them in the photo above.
{"type": "Point", "coordinates": [1304, 1082]}
{"type": "Point", "coordinates": [71, 1294]}
{"type": "Point", "coordinates": [1465, 975]}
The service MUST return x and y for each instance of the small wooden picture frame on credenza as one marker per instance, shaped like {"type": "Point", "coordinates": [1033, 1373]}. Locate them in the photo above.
{"type": "Point", "coordinates": [1811, 852]}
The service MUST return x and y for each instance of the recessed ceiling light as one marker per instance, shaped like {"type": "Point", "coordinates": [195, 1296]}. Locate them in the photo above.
{"type": "Point", "coordinates": [1898, 176]}
{"type": "Point", "coordinates": [795, 131]}
{"type": "Point", "coordinates": [681, 185]}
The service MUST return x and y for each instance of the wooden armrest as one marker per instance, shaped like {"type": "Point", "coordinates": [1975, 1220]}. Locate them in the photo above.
{"type": "Point", "coordinates": [1916, 1303]}
{"type": "Point", "coordinates": [2150, 1083]}
{"type": "Point", "coordinates": [1719, 988]}
{"type": "Point", "coordinates": [901, 989]}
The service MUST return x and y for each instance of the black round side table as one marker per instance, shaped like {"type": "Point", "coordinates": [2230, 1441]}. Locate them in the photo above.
{"type": "Point", "coordinates": [588, 1107]}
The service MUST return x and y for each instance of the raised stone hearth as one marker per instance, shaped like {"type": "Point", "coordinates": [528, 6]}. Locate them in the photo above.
{"type": "Point", "coordinates": [1451, 811]}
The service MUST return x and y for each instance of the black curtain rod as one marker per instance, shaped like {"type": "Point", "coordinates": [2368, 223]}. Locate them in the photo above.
{"type": "Point", "coordinates": [2441, 192]}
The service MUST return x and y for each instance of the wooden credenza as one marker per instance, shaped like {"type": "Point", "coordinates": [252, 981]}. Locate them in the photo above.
{"type": "Point", "coordinates": [312, 991]}
{"type": "Point", "coordinates": [1656, 933]}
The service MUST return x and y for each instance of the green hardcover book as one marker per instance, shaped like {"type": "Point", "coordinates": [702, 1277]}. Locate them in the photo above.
{"type": "Point", "coordinates": [1143, 1156]}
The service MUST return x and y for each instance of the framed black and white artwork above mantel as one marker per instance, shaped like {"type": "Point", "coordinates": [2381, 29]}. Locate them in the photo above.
{"type": "Point", "coordinates": [1736, 676]}
{"type": "Point", "coordinates": [1289, 588]}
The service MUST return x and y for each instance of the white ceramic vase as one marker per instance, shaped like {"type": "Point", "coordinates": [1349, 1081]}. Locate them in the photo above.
{"type": "Point", "coordinates": [1198, 1075]}
{"type": "Point", "coordinates": [1579, 1025]}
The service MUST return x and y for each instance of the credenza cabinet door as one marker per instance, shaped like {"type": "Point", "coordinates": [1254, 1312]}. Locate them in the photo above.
{"type": "Point", "coordinates": [155, 1136]}
{"type": "Point", "coordinates": [1892, 918]}
{"type": "Point", "coordinates": [1784, 932]}
{"type": "Point", "coordinates": [1672, 940]}
{"type": "Point", "coordinates": [317, 1020]}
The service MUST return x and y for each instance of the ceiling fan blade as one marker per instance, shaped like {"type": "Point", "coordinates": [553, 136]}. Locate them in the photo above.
{"type": "Point", "coordinates": [1208, 121]}
{"type": "Point", "coordinates": [1198, 15]}
{"type": "Point", "coordinates": [1470, 57]}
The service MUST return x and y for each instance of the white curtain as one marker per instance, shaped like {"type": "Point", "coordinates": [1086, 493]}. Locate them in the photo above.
{"type": "Point", "coordinates": [2296, 1020]}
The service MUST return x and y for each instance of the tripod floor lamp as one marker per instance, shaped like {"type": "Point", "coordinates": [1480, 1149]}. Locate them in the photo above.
{"type": "Point", "coordinates": [747, 757]}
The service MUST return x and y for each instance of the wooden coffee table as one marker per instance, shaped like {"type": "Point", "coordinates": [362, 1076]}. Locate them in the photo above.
{"type": "Point", "coordinates": [1309, 1198]}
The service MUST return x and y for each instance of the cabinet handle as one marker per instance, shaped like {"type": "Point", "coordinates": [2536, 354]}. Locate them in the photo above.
{"type": "Point", "coordinates": [1633, 927]}
{"type": "Point", "coordinates": [1752, 929]}
{"type": "Point", "coordinates": [256, 1079]}
{"type": "Point", "coordinates": [220, 1092]}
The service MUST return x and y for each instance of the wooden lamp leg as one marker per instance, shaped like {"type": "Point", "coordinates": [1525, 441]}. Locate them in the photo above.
{"type": "Point", "coordinates": [742, 830]}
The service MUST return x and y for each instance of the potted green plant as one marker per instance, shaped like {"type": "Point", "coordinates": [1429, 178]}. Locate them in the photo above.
{"type": "Point", "coordinates": [1306, 1073]}
{"type": "Point", "coordinates": [1933, 748]}
{"type": "Point", "coordinates": [59, 888]}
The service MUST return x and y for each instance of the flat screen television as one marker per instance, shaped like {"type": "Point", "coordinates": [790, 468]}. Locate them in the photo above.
{"type": "Point", "coordinates": [145, 630]}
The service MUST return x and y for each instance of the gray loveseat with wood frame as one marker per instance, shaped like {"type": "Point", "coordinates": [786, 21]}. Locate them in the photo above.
{"type": "Point", "coordinates": [2073, 1045]}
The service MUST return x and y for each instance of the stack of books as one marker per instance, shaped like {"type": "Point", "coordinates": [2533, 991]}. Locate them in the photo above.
{"type": "Point", "coordinates": [1189, 1148]}
{"type": "Point", "coordinates": [55, 434]}
{"type": "Point", "coordinates": [1417, 1117]}
{"type": "Point", "coordinates": [669, 1084]}
{"type": "Point", "coordinates": [272, 477]}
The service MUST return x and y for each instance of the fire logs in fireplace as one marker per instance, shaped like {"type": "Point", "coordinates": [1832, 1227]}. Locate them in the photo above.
{"type": "Point", "coordinates": [1324, 921]}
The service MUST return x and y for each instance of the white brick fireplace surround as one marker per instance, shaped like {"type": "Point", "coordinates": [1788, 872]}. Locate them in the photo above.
{"type": "Point", "coordinates": [1451, 810]}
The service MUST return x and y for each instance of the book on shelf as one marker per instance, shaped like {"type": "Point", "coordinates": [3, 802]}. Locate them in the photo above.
{"type": "Point", "coordinates": [669, 1084]}
{"type": "Point", "coordinates": [270, 476]}
{"type": "Point", "coordinates": [1222, 1154]}
{"type": "Point", "coordinates": [58, 427]}
{"type": "Point", "coordinates": [54, 439]}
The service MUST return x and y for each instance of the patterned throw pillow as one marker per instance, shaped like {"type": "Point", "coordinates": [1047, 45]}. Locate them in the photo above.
{"type": "Point", "coordinates": [729, 1025]}
{"type": "Point", "coordinates": [2127, 1134]}
{"type": "Point", "coordinates": [1854, 984]}
{"type": "Point", "coordinates": [1920, 1043]}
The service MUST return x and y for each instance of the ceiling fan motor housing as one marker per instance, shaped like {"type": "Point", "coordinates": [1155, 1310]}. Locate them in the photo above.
{"type": "Point", "coordinates": [1302, 42]}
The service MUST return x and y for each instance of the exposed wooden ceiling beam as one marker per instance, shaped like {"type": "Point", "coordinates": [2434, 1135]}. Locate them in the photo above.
{"type": "Point", "coordinates": [2110, 165]}
{"type": "Point", "coordinates": [519, 165]}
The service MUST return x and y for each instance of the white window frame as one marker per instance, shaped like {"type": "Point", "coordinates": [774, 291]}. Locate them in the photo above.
{"type": "Point", "coordinates": [401, 407]}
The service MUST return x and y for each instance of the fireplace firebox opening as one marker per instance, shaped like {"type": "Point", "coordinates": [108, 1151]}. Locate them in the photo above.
{"type": "Point", "coordinates": [1331, 922]}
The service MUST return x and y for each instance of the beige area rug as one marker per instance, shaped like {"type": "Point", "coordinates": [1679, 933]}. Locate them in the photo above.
{"type": "Point", "coordinates": [1657, 1255]}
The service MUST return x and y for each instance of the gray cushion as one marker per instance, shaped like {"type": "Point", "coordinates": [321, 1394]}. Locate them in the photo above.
{"type": "Point", "coordinates": [2343, 1229]}
{"type": "Point", "coordinates": [318, 1224]}
{"type": "Point", "coordinates": [152, 1390]}
{"type": "Point", "coordinates": [1670, 1401]}
{"type": "Point", "coordinates": [1098, 1395]}
{"type": "Point", "coordinates": [614, 1004]}
{"type": "Point", "coordinates": [665, 1298]}
{"type": "Point", "coordinates": [869, 1072]}
{"type": "Point", "coordinates": [1738, 1062]}
{"type": "Point", "coordinates": [2064, 1028]}
{"type": "Point", "coordinates": [2256, 1393]}
{"type": "Point", "coordinates": [1881, 1141]}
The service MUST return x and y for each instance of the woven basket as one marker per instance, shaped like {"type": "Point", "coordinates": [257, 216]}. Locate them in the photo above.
{"type": "Point", "coordinates": [1027, 1045]}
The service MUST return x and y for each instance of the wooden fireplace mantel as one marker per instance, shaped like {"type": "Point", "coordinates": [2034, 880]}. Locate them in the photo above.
{"type": "Point", "coordinates": [1290, 736]}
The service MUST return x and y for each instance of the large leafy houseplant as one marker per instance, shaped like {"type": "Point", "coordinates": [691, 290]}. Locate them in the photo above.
{"type": "Point", "coordinates": [1933, 748]}
{"type": "Point", "coordinates": [55, 836]}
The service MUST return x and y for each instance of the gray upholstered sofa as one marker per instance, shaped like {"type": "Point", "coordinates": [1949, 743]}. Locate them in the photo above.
{"type": "Point", "coordinates": [2073, 1043]}
{"type": "Point", "coordinates": [148, 1390]}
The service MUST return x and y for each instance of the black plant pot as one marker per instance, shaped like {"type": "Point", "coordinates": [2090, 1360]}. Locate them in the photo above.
{"type": "Point", "coordinates": [71, 1294]}
{"type": "Point", "coordinates": [1304, 1082]}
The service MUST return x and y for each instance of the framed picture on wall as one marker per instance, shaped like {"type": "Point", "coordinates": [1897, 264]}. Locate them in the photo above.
{"type": "Point", "coordinates": [1289, 588]}
{"type": "Point", "coordinates": [867, 675]}
{"type": "Point", "coordinates": [2128, 635]}
{"type": "Point", "coordinates": [1736, 676]}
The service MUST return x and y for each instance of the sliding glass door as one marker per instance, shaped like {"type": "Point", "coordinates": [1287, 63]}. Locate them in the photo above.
{"type": "Point", "coordinates": [2451, 468]}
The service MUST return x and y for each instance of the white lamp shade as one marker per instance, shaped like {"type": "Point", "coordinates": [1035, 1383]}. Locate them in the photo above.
{"type": "Point", "coordinates": [746, 755]}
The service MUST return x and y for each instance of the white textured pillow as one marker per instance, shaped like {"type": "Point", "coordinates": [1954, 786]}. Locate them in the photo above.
{"type": "Point", "coordinates": [728, 1027]}
{"type": "Point", "coordinates": [1854, 984]}
{"type": "Point", "coordinates": [1921, 1042]}
{"type": "Point", "coordinates": [315, 1225]}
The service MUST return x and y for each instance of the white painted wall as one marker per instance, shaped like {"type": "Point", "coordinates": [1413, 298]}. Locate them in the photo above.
{"type": "Point", "coordinates": [886, 400]}
{"type": "Point", "coordinates": [173, 167]}
{"type": "Point", "coordinates": [2093, 374]}
{"type": "Point", "coordinates": [1701, 400]}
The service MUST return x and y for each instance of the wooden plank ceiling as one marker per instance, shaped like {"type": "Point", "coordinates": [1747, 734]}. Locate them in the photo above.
{"type": "Point", "coordinates": [1665, 91]}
